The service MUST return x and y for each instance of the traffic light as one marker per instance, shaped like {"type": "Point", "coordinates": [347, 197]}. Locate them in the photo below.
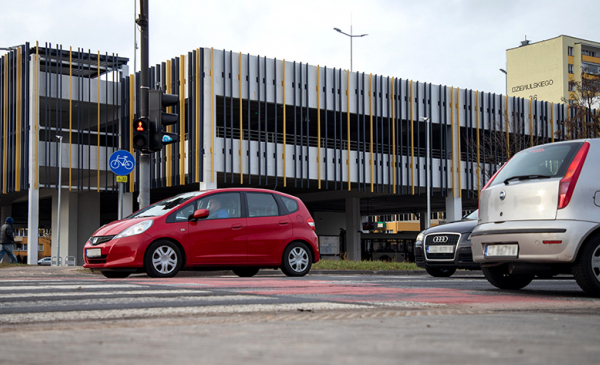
{"type": "Point", "coordinates": [141, 134]}
{"type": "Point", "coordinates": [159, 120]}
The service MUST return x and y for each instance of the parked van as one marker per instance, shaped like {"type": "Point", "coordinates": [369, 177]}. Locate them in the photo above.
{"type": "Point", "coordinates": [540, 215]}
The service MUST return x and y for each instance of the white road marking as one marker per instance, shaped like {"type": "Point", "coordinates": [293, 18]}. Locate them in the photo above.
{"type": "Point", "coordinates": [70, 287]}
{"type": "Point", "coordinates": [126, 301]}
{"type": "Point", "coordinates": [20, 318]}
{"type": "Point", "coordinates": [99, 293]}
{"type": "Point", "coordinates": [403, 303]}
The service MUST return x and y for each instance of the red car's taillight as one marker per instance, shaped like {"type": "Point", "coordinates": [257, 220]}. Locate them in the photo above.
{"type": "Point", "coordinates": [568, 182]}
{"type": "Point", "coordinates": [311, 223]}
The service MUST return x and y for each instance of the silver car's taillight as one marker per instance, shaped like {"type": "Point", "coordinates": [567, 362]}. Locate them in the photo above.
{"type": "Point", "coordinates": [568, 182]}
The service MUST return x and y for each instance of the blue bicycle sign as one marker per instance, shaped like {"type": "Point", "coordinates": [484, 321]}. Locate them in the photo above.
{"type": "Point", "coordinates": [121, 162]}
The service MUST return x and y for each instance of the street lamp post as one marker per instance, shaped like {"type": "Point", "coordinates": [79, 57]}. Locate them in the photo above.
{"type": "Point", "coordinates": [59, 184]}
{"type": "Point", "coordinates": [351, 36]}
{"type": "Point", "coordinates": [505, 79]}
{"type": "Point", "coordinates": [427, 177]}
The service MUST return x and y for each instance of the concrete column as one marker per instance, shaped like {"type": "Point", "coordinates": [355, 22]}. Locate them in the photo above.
{"type": "Point", "coordinates": [89, 221]}
{"type": "Point", "coordinates": [80, 217]}
{"type": "Point", "coordinates": [453, 209]}
{"type": "Point", "coordinates": [68, 224]}
{"type": "Point", "coordinates": [127, 204]}
{"type": "Point", "coordinates": [209, 175]}
{"type": "Point", "coordinates": [33, 224]}
{"type": "Point", "coordinates": [33, 213]}
{"type": "Point", "coordinates": [353, 228]}
{"type": "Point", "coordinates": [208, 185]}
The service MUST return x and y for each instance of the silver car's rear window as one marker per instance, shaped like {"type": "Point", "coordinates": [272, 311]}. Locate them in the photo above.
{"type": "Point", "coordinates": [545, 161]}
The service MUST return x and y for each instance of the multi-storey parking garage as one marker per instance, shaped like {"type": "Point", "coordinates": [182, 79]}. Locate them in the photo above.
{"type": "Point", "coordinates": [349, 144]}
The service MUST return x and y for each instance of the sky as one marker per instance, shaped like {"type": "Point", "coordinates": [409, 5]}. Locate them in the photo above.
{"type": "Point", "coordinates": [460, 43]}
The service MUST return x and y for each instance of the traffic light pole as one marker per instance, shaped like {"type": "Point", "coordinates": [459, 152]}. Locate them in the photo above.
{"type": "Point", "coordinates": [144, 162]}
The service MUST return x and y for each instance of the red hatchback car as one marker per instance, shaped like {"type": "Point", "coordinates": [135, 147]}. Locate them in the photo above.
{"type": "Point", "coordinates": [238, 229]}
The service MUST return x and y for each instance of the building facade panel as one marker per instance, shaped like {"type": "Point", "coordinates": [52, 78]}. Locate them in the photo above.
{"type": "Point", "coordinates": [256, 121]}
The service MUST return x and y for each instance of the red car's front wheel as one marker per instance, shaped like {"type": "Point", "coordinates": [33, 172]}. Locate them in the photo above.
{"type": "Point", "coordinates": [163, 259]}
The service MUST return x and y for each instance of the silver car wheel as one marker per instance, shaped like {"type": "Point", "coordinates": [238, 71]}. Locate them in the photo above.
{"type": "Point", "coordinates": [164, 259]}
{"type": "Point", "coordinates": [298, 259]}
{"type": "Point", "coordinates": [596, 263]}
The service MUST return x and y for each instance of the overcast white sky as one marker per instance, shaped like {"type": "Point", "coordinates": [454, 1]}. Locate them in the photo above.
{"type": "Point", "coordinates": [459, 43]}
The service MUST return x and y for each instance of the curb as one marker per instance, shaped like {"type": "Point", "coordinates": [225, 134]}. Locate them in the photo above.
{"type": "Point", "coordinates": [32, 271]}
{"type": "Point", "coordinates": [277, 272]}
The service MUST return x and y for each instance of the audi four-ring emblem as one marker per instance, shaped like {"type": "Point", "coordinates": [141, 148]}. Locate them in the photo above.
{"type": "Point", "coordinates": [440, 239]}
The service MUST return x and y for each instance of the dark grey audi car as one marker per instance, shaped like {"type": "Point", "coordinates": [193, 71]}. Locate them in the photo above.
{"type": "Point", "coordinates": [442, 249]}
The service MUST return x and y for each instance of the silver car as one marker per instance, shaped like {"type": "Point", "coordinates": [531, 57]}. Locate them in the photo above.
{"type": "Point", "coordinates": [540, 215]}
{"type": "Point", "coordinates": [46, 261]}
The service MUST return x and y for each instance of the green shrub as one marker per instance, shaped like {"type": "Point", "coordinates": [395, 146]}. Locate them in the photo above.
{"type": "Point", "coordinates": [363, 265]}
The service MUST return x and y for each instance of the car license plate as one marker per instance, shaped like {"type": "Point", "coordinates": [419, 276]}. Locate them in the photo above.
{"type": "Point", "coordinates": [94, 252]}
{"type": "Point", "coordinates": [440, 249]}
{"type": "Point", "coordinates": [501, 250]}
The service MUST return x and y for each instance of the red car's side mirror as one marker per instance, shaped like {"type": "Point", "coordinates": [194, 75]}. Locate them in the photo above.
{"type": "Point", "coordinates": [200, 214]}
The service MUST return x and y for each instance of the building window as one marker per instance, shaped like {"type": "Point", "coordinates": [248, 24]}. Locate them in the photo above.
{"type": "Point", "coordinates": [590, 68]}
{"type": "Point", "coordinates": [571, 87]}
{"type": "Point", "coordinates": [585, 52]}
{"type": "Point", "coordinates": [570, 51]}
{"type": "Point", "coordinates": [571, 69]}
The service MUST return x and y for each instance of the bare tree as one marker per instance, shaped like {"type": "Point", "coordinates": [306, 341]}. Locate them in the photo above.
{"type": "Point", "coordinates": [508, 135]}
{"type": "Point", "coordinates": [583, 119]}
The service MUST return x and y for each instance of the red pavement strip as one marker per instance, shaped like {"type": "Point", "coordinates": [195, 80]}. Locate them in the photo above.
{"type": "Point", "coordinates": [348, 293]}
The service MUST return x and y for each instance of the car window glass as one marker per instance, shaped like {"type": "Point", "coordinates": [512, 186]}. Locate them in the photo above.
{"type": "Point", "coordinates": [290, 204]}
{"type": "Point", "coordinates": [549, 160]}
{"type": "Point", "coordinates": [163, 206]}
{"type": "Point", "coordinates": [473, 215]}
{"type": "Point", "coordinates": [262, 205]}
{"type": "Point", "coordinates": [223, 205]}
{"type": "Point", "coordinates": [182, 215]}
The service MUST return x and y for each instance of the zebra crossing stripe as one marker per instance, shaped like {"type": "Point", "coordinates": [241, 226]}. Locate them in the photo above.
{"type": "Point", "coordinates": [153, 300]}
{"type": "Point", "coordinates": [100, 293]}
{"type": "Point", "coordinates": [70, 287]}
{"type": "Point", "coordinates": [21, 318]}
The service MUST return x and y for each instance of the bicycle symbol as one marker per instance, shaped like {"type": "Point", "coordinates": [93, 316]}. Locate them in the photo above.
{"type": "Point", "coordinates": [121, 161]}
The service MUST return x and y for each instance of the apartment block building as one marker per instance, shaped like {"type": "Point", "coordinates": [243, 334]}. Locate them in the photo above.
{"type": "Point", "coordinates": [542, 70]}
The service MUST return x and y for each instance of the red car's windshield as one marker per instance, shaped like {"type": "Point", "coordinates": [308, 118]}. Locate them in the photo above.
{"type": "Point", "coordinates": [163, 206]}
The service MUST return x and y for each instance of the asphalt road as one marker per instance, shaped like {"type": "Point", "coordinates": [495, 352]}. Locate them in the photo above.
{"type": "Point", "coordinates": [58, 315]}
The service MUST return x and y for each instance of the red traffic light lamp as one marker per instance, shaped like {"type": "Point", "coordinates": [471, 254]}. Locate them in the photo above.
{"type": "Point", "coordinates": [141, 134]}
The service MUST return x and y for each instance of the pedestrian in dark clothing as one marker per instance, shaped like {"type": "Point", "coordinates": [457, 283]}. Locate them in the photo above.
{"type": "Point", "coordinates": [7, 239]}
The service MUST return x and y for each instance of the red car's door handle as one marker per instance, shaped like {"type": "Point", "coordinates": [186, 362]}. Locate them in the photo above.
{"type": "Point", "coordinates": [283, 223]}
{"type": "Point", "coordinates": [236, 226]}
